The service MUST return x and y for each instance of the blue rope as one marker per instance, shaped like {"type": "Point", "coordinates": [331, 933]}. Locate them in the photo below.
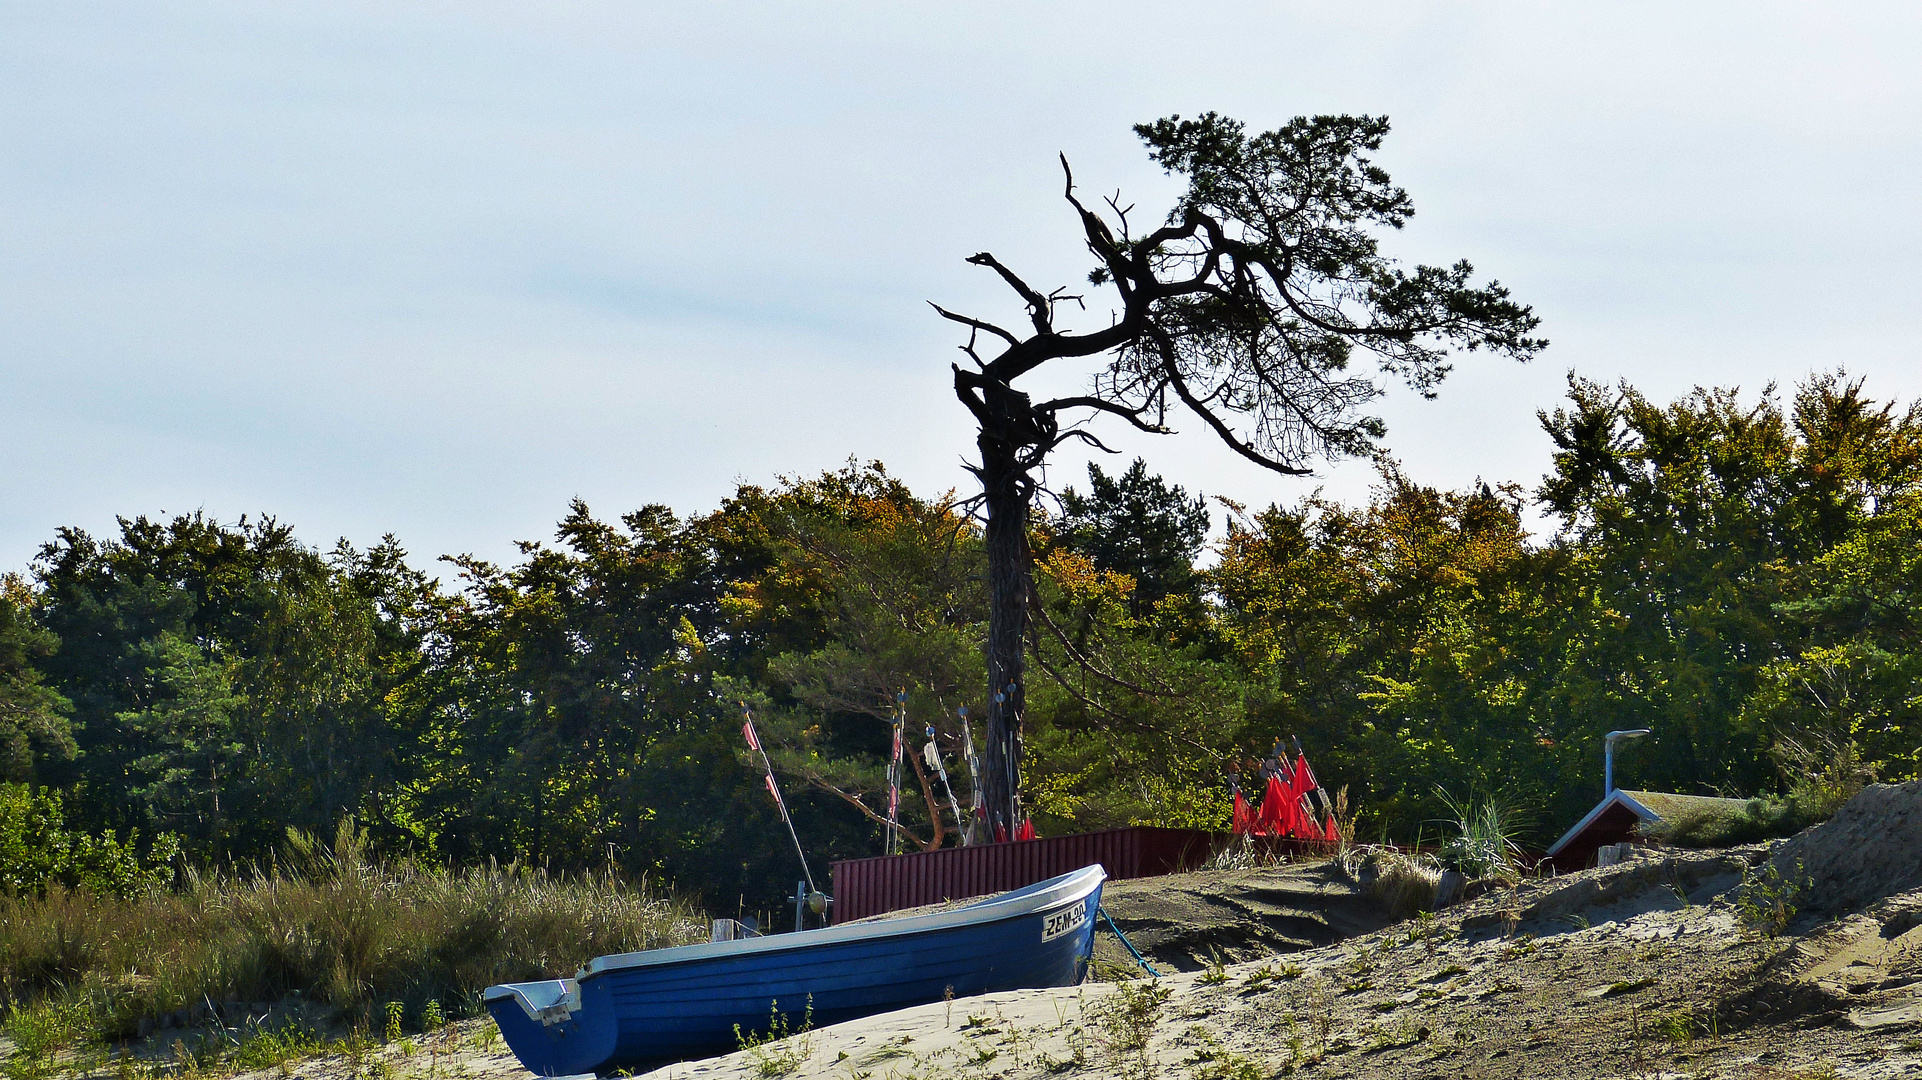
{"type": "Point", "coordinates": [1102, 912]}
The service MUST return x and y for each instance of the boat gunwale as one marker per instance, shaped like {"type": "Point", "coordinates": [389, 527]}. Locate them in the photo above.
{"type": "Point", "coordinates": [1024, 902]}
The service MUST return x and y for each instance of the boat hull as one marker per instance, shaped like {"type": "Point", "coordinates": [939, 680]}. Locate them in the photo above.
{"type": "Point", "coordinates": [617, 1016]}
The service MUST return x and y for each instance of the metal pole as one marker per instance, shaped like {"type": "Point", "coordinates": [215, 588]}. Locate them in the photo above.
{"type": "Point", "coordinates": [1608, 756]}
{"type": "Point", "coordinates": [1014, 771]}
{"type": "Point", "coordinates": [800, 903]}
{"type": "Point", "coordinates": [753, 740]}
{"type": "Point", "coordinates": [975, 813]}
{"type": "Point", "coordinates": [933, 754]}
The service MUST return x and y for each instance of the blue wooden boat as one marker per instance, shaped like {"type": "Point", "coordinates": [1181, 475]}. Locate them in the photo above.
{"type": "Point", "coordinates": [635, 1009]}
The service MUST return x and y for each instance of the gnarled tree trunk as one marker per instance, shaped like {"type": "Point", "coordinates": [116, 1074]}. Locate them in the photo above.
{"type": "Point", "coordinates": [1009, 495]}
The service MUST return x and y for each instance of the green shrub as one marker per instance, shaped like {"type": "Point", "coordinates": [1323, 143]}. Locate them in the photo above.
{"type": "Point", "coordinates": [1757, 819]}
{"type": "Point", "coordinates": [36, 850]}
{"type": "Point", "coordinates": [1819, 785]}
{"type": "Point", "coordinates": [39, 1033]}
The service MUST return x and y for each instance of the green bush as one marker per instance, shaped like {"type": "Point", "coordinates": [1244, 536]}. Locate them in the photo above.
{"type": "Point", "coordinates": [1758, 819]}
{"type": "Point", "coordinates": [1820, 784]}
{"type": "Point", "coordinates": [36, 851]}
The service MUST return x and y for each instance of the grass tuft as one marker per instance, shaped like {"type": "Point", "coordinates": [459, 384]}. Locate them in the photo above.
{"type": "Point", "coordinates": [339, 932]}
{"type": "Point", "coordinates": [1484, 841]}
{"type": "Point", "coordinates": [1403, 883]}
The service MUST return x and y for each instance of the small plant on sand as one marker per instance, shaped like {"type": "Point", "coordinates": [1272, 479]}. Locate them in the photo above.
{"type": "Point", "coordinates": [1259, 978]}
{"type": "Point", "coordinates": [1423, 929]}
{"type": "Point", "coordinates": [1361, 962]}
{"type": "Point", "coordinates": [1765, 901]}
{"type": "Point", "coordinates": [779, 1050]}
{"type": "Point", "coordinates": [1216, 973]}
{"type": "Point", "coordinates": [1679, 1027]}
{"type": "Point", "coordinates": [1213, 1061]}
{"type": "Point", "coordinates": [40, 1032]}
{"type": "Point", "coordinates": [1126, 1020]}
{"type": "Point", "coordinates": [254, 1047]}
{"type": "Point", "coordinates": [433, 1026]}
{"type": "Point", "coordinates": [1297, 1046]}
{"type": "Point", "coordinates": [1323, 1013]}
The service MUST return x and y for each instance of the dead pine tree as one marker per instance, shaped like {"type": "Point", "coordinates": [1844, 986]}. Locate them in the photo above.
{"type": "Point", "coordinates": [1245, 308]}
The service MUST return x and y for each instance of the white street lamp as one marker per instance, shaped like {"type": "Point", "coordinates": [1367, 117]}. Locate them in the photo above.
{"type": "Point", "coordinates": [1608, 756]}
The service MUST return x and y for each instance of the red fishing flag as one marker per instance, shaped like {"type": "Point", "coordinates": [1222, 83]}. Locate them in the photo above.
{"type": "Point", "coordinates": [747, 732]}
{"type": "Point", "coordinates": [1305, 781]}
{"type": "Point", "coordinates": [1244, 816]}
{"type": "Point", "coordinates": [1306, 828]}
{"type": "Point", "coordinates": [1265, 812]}
{"type": "Point", "coordinates": [1026, 831]}
{"type": "Point", "coordinates": [1277, 815]}
{"type": "Point", "coordinates": [769, 780]}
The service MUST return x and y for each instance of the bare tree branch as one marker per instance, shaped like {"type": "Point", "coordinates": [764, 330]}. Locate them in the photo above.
{"type": "Point", "coordinates": [868, 812]}
{"type": "Point", "coordinates": [1040, 312]}
{"type": "Point", "coordinates": [976, 323]}
{"type": "Point", "coordinates": [1120, 718]}
{"type": "Point", "coordinates": [1086, 664]}
{"type": "Point", "coordinates": [1132, 416]}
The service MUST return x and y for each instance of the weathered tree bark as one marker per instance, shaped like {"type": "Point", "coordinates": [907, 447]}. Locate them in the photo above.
{"type": "Point", "coordinates": [1009, 495]}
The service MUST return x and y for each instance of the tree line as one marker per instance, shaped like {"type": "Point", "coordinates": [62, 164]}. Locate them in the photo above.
{"type": "Point", "coordinates": [1741, 574]}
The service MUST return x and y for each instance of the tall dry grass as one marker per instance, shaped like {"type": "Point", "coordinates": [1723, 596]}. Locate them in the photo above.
{"type": "Point", "coordinates": [1404, 884]}
{"type": "Point", "coordinates": [333, 927]}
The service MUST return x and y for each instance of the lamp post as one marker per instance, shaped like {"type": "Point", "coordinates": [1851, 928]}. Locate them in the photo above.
{"type": "Point", "coordinates": [1608, 756]}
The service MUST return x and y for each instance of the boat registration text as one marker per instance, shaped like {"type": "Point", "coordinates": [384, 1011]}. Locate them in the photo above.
{"type": "Point", "coordinates": [1062, 921]}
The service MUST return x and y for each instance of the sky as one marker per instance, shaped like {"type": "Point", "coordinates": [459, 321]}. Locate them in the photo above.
{"type": "Point", "coordinates": [436, 269]}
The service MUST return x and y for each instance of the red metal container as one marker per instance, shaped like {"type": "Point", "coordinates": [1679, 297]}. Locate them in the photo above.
{"type": "Point", "coordinates": [864, 887]}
